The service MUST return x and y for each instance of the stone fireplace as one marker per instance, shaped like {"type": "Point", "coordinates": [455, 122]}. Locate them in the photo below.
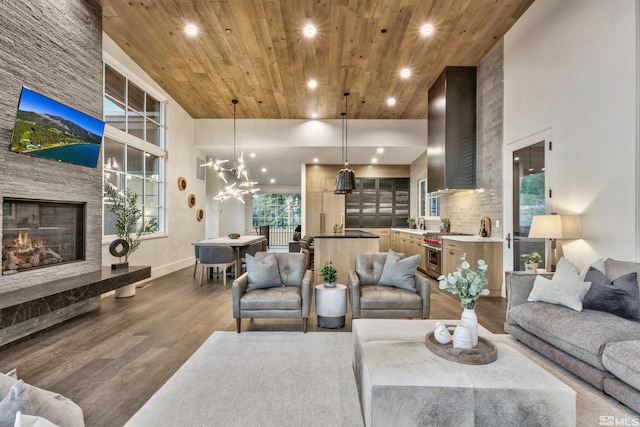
{"type": "Point", "coordinates": [40, 233]}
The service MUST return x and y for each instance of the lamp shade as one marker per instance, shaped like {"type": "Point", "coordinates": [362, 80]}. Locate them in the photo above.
{"type": "Point", "coordinates": [345, 181]}
{"type": "Point", "coordinates": [554, 227]}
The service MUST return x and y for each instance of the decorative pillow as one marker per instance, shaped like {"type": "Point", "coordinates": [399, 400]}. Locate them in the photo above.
{"type": "Point", "coordinates": [7, 381]}
{"type": "Point", "coordinates": [566, 272]}
{"type": "Point", "coordinates": [568, 294]}
{"type": "Point", "coordinates": [399, 272]}
{"type": "Point", "coordinates": [263, 273]}
{"type": "Point", "coordinates": [32, 421]}
{"type": "Point", "coordinates": [598, 265]}
{"type": "Point", "coordinates": [34, 401]}
{"type": "Point", "coordinates": [620, 297]}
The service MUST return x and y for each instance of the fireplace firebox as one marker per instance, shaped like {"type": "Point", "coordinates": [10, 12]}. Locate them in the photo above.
{"type": "Point", "coordinates": [39, 233]}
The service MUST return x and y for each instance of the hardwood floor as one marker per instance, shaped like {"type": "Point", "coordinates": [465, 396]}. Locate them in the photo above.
{"type": "Point", "coordinates": [112, 360]}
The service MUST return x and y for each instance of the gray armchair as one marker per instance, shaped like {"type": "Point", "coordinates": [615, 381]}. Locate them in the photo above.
{"type": "Point", "coordinates": [370, 300]}
{"type": "Point", "coordinates": [291, 299]}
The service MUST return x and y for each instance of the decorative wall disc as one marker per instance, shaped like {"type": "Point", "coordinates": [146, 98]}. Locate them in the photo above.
{"type": "Point", "coordinates": [182, 183]}
{"type": "Point", "coordinates": [191, 200]}
{"type": "Point", "coordinates": [199, 214]}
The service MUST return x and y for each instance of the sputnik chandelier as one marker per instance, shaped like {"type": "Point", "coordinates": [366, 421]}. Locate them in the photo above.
{"type": "Point", "coordinates": [240, 184]}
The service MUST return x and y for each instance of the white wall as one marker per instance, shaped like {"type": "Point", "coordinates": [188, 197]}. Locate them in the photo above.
{"type": "Point", "coordinates": [172, 251]}
{"type": "Point", "coordinates": [570, 66]}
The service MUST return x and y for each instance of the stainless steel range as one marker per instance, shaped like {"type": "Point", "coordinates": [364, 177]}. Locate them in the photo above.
{"type": "Point", "coordinates": [433, 255]}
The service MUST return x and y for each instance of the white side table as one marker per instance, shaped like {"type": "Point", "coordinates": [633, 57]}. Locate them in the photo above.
{"type": "Point", "coordinates": [331, 306]}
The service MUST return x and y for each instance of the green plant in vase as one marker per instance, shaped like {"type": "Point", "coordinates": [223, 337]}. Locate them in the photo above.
{"type": "Point", "coordinates": [445, 225]}
{"type": "Point", "coordinates": [469, 285]}
{"type": "Point", "coordinates": [124, 205]}
{"type": "Point", "coordinates": [412, 222]}
{"type": "Point", "coordinates": [329, 275]}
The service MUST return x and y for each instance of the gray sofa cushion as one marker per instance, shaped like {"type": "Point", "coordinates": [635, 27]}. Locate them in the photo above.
{"type": "Point", "coordinates": [280, 298]}
{"type": "Point", "coordinates": [568, 294]}
{"type": "Point", "coordinates": [621, 359]}
{"type": "Point", "coordinates": [399, 272]}
{"type": "Point", "coordinates": [388, 298]}
{"type": "Point", "coordinates": [620, 297]}
{"type": "Point", "coordinates": [263, 272]}
{"type": "Point", "coordinates": [582, 334]}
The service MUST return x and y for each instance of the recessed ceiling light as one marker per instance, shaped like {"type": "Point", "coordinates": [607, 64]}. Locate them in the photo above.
{"type": "Point", "coordinates": [314, 116]}
{"type": "Point", "coordinates": [374, 160]}
{"type": "Point", "coordinates": [315, 160]}
{"type": "Point", "coordinates": [264, 170]}
{"type": "Point", "coordinates": [312, 84]}
{"type": "Point", "coordinates": [426, 30]}
{"type": "Point", "coordinates": [191, 30]}
{"type": "Point", "coordinates": [309, 31]}
{"type": "Point", "coordinates": [252, 155]}
{"type": "Point", "coordinates": [380, 150]}
{"type": "Point", "coordinates": [405, 73]}
{"type": "Point", "coordinates": [273, 181]}
{"type": "Point", "coordinates": [391, 102]}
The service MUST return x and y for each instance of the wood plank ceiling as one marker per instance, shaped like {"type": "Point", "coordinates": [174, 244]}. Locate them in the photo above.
{"type": "Point", "coordinates": [255, 51]}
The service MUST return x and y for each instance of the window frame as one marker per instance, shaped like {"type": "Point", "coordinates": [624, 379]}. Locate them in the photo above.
{"type": "Point", "coordinates": [130, 141]}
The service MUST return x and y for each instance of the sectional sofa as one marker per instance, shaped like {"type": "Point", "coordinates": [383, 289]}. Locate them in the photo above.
{"type": "Point", "coordinates": [599, 346]}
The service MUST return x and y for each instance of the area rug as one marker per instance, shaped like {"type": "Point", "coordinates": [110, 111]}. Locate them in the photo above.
{"type": "Point", "coordinates": [296, 379]}
{"type": "Point", "coordinates": [260, 379]}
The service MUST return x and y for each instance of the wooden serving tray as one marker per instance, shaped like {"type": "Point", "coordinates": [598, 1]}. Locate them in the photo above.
{"type": "Point", "coordinates": [485, 353]}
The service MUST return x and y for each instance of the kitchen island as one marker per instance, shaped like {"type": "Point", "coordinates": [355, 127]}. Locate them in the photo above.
{"type": "Point", "coordinates": [341, 249]}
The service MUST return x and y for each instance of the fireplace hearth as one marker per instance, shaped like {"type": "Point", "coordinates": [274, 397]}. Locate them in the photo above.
{"type": "Point", "coordinates": [38, 233]}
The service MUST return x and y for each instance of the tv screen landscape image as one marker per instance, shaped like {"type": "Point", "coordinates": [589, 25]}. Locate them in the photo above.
{"type": "Point", "coordinates": [47, 128]}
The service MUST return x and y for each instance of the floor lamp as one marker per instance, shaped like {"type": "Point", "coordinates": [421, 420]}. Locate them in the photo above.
{"type": "Point", "coordinates": [554, 227]}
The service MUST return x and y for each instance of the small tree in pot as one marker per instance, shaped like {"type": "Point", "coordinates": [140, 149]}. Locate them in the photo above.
{"type": "Point", "coordinates": [125, 207]}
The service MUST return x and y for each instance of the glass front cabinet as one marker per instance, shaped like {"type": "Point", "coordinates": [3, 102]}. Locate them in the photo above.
{"type": "Point", "coordinates": [378, 203]}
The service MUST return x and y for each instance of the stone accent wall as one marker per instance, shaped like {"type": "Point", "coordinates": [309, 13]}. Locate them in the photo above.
{"type": "Point", "coordinates": [466, 208]}
{"type": "Point", "coordinates": [55, 48]}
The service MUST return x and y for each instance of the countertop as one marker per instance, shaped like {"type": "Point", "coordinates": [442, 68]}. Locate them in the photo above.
{"type": "Point", "coordinates": [471, 238]}
{"type": "Point", "coordinates": [347, 234]}
{"type": "Point", "coordinates": [410, 230]}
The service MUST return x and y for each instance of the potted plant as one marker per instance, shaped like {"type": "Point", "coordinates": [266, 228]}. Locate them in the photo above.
{"type": "Point", "coordinates": [445, 226]}
{"type": "Point", "coordinates": [128, 213]}
{"type": "Point", "coordinates": [412, 222]}
{"type": "Point", "coordinates": [329, 275]}
{"type": "Point", "coordinates": [469, 285]}
{"type": "Point", "coordinates": [531, 261]}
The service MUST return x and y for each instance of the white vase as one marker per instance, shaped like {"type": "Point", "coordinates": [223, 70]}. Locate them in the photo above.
{"type": "Point", "coordinates": [470, 320]}
{"type": "Point", "coordinates": [531, 267]}
{"type": "Point", "coordinates": [462, 337]}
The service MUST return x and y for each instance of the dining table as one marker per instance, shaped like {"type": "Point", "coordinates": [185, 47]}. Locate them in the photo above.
{"type": "Point", "coordinates": [236, 243]}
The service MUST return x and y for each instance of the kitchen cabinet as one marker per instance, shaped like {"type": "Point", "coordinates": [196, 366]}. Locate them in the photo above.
{"type": "Point", "coordinates": [385, 237]}
{"type": "Point", "coordinates": [377, 202]}
{"type": "Point", "coordinates": [490, 250]}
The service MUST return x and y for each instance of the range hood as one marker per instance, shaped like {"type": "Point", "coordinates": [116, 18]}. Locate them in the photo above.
{"type": "Point", "coordinates": [451, 145]}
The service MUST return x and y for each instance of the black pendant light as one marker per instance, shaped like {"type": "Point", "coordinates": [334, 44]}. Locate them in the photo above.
{"type": "Point", "coordinates": [346, 179]}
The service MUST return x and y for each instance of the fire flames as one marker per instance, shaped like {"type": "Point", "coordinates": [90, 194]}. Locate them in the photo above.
{"type": "Point", "coordinates": [23, 253]}
{"type": "Point", "coordinates": [23, 243]}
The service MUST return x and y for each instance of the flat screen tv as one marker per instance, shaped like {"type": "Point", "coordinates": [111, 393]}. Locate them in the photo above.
{"type": "Point", "coordinates": [47, 128]}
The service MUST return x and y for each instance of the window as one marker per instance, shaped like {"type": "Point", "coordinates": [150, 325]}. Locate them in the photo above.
{"type": "Point", "coordinates": [428, 203]}
{"type": "Point", "coordinates": [133, 149]}
{"type": "Point", "coordinates": [276, 210]}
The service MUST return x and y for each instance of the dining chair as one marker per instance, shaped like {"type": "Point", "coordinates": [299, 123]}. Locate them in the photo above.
{"type": "Point", "coordinates": [218, 257]}
{"type": "Point", "coordinates": [195, 267]}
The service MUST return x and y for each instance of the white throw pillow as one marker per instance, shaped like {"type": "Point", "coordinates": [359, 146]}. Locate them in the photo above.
{"type": "Point", "coordinates": [568, 294]}
{"type": "Point", "coordinates": [566, 272]}
{"type": "Point", "coordinates": [32, 421]}
{"type": "Point", "coordinates": [43, 403]}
